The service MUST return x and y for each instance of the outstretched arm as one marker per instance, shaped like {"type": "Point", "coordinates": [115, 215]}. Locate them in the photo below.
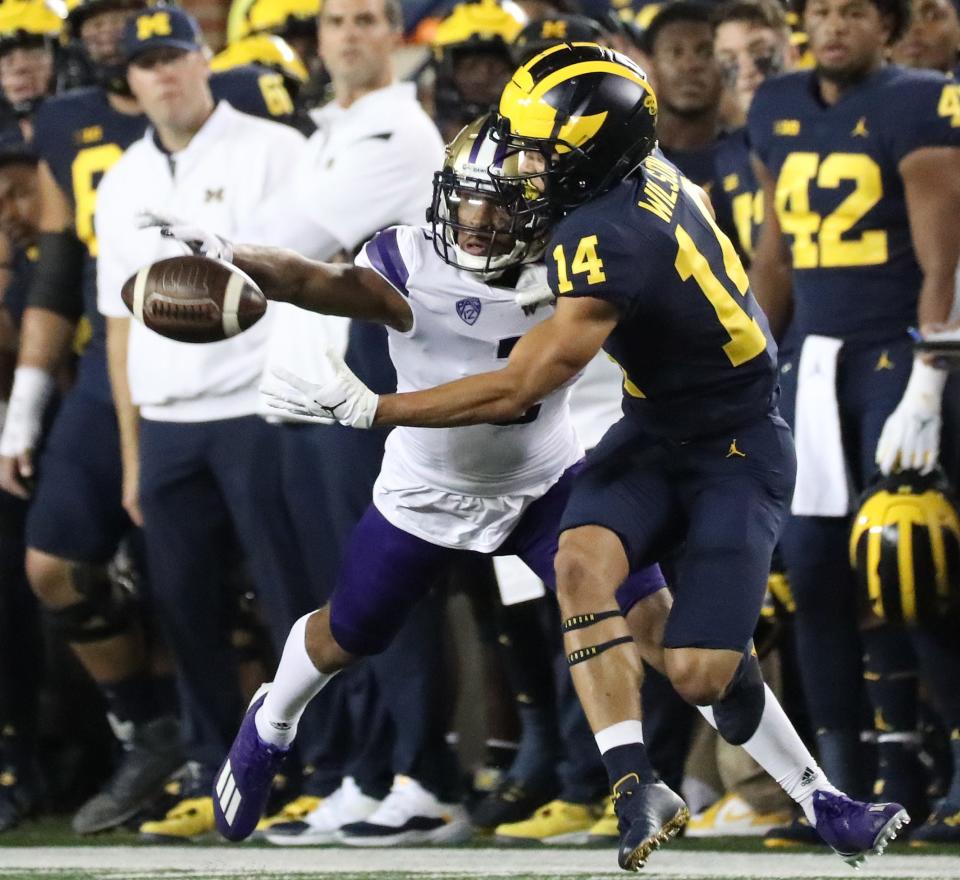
{"type": "Point", "coordinates": [547, 357]}
{"type": "Point", "coordinates": [328, 288]}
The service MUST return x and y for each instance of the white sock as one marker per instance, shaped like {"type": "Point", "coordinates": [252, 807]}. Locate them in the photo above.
{"type": "Point", "coordinates": [623, 733]}
{"type": "Point", "coordinates": [777, 748]}
{"type": "Point", "coordinates": [296, 683]}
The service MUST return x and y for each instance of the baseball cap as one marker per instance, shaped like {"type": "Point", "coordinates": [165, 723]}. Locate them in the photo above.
{"type": "Point", "coordinates": [160, 27]}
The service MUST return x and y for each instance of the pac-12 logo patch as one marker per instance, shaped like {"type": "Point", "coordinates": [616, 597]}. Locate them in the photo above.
{"type": "Point", "coordinates": [469, 310]}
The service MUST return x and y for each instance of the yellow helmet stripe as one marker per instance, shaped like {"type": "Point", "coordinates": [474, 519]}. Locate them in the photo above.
{"type": "Point", "coordinates": [908, 587]}
{"type": "Point", "coordinates": [873, 574]}
{"type": "Point", "coordinates": [581, 69]}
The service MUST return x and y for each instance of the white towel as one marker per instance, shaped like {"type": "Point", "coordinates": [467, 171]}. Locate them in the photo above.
{"type": "Point", "coordinates": [823, 487]}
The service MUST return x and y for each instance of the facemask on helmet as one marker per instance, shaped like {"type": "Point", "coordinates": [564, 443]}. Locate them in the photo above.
{"type": "Point", "coordinates": [480, 223]}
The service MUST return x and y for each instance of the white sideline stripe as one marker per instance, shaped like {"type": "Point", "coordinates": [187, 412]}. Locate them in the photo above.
{"type": "Point", "coordinates": [139, 291]}
{"type": "Point", "coordinates": [224, 776]}
{"type": "Point", "coordinates": [231, 811]}
{"type": "Point", "coordinates": [231, 305]}
{"type": "Point", "coordinates": [209, 861]}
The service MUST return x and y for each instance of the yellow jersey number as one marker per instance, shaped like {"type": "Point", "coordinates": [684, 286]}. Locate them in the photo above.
{"type": "Point", "coordinates": [275, 94]}
{"type": "Point", "coordinates": [746, 336]}
{"type": "Point", "coordinates": [818, 241]}
{"type": "Point", "coordinates": [88, 167]}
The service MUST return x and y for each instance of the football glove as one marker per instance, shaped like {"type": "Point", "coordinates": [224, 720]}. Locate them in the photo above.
{"type": "Point", "coordinates": [910, 439]}
{"type": "Point", "coordinates": [341, 398]}
{"type": "Point", "coordinates": [200, 241]}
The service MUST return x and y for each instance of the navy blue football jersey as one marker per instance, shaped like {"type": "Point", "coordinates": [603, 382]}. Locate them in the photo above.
{"type": "Point", "coordinates": [693, 344]}
{"type": "Point", "coordinates": [736, 194]}
{"type": "Point", "coordinates": [840, 197]}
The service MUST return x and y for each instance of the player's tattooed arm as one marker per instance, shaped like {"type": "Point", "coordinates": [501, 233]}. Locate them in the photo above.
{"type": "Point", "coordinates": [546, 358]}
{"type": "Point", "coordinates": [328, 288]}
{"type": "Point", "coordinates": [931, 180]}
{"type": "Point", "coordinates": [770, 270]}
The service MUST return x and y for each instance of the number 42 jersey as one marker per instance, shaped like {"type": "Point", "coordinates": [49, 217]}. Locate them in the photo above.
{"type": "Point", "coordinates": [840, 197]}
{"type": "Point", "coordinates": [694, 347]}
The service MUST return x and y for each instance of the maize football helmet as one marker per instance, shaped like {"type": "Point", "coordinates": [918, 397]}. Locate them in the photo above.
{"type": "Point", "coordinates": [905, 549]}
{"type": "Point", "coordinates": [588, 110]}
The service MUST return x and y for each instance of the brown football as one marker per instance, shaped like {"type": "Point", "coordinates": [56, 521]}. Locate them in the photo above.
{"type": "Point", "coordinates": [194, 299]}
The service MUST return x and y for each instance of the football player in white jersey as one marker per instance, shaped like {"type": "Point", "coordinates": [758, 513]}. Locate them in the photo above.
{"type": "Point", "coordinates": [447, 296]}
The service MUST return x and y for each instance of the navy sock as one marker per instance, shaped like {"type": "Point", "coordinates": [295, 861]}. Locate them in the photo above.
{"type": "Point", "coordinates": [130, 700]}
{"type": "Point", "coordinates": [621, 761]}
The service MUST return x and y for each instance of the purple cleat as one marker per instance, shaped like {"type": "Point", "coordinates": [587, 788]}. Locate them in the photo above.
{"type": "Point", "coordinates": [243, 783]}
{"type": "Point", "coordinates": [854, 829]}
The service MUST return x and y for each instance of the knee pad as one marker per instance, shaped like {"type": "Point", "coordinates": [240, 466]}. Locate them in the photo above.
{"type": "Point", "coordinates": [738, 714]}
{"type": "Point", "coordinates": [104, 611]}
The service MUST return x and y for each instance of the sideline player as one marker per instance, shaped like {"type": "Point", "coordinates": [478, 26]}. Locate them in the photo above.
{"type": "Point", "coordinates": [866, 201]}
{"type": "Point", "coordinates": [701, 456]}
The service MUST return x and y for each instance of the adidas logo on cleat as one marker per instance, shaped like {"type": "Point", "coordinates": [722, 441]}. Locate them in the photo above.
{"type": "Point", "coordinates": [228, 794]}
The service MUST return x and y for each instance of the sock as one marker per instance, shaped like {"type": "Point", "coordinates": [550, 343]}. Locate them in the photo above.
{"type": "Point", "coordinates": [622, 750]}
{"type": "Point", "coordinates": [165, 697]}
{"type": "Point", "coordinates": [296, 683]}
{"type": "Point", "coordinates": [536, 756]}
{"type": "Point", "coordinates": [777, 748]}
{"type": "Point", "coordinates": [129, 701]}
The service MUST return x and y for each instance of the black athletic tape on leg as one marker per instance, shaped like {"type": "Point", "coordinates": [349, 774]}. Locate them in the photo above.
{"type": "Point", "coordinates": [580, 621]}
{"type": "Point", "coordinates": [582, 654]}
{"type": "Point", "coordinates": [739, 712]}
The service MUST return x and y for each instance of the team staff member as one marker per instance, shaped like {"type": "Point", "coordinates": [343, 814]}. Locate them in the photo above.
{"type": "Point", "coordinates": [197, 461]}
{"type": "Point", "coordinates": [866, 201]}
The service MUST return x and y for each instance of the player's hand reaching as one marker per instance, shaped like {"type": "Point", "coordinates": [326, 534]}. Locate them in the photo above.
{"type": "Point", "coordinates": [202, 242]}
{"type": "Point", "coordinates": [341, 398]}
{"type": "Point", "coordinates": [910, 439]}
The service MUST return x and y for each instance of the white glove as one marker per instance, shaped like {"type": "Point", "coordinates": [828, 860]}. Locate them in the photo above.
{"type": "Point", "coordinates": [31, 392]}
{"type": "Point", "coordinates": [202, 242]}
{"type": "Point", "coordinates": [342, 398]}
{"type": "Point", "coordinates": [910, 439]}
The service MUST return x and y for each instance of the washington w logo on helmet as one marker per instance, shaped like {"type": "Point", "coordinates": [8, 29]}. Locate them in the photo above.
{"type": "Point", "coordinates": [588, 110]}
{"type": "Point", "coordinates": [905, 549]}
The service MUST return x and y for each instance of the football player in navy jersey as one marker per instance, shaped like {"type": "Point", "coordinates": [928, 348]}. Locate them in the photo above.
{"type": "Point", "coordinates": [679, 45]}
{"type": "Point", "coordinates": [752, 42]}
{"type": "Point", "coordinates": [860, 243]}
{"type": "Point", "coordinates": [701, 460]}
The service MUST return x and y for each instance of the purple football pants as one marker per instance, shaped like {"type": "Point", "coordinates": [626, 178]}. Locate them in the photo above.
{"type": "Point", "coordinates": [385, 571]}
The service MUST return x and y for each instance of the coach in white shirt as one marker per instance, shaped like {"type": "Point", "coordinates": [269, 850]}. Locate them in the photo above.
{"type": "Point", "coordinates": [198, 462]}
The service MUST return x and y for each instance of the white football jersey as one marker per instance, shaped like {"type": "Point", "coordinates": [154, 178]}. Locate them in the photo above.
{"type": "Point", "coordinates": [463, 326]}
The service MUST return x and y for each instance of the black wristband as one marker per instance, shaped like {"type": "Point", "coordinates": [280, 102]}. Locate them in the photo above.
{"type": "Point", "coordinates": [58, 277]}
